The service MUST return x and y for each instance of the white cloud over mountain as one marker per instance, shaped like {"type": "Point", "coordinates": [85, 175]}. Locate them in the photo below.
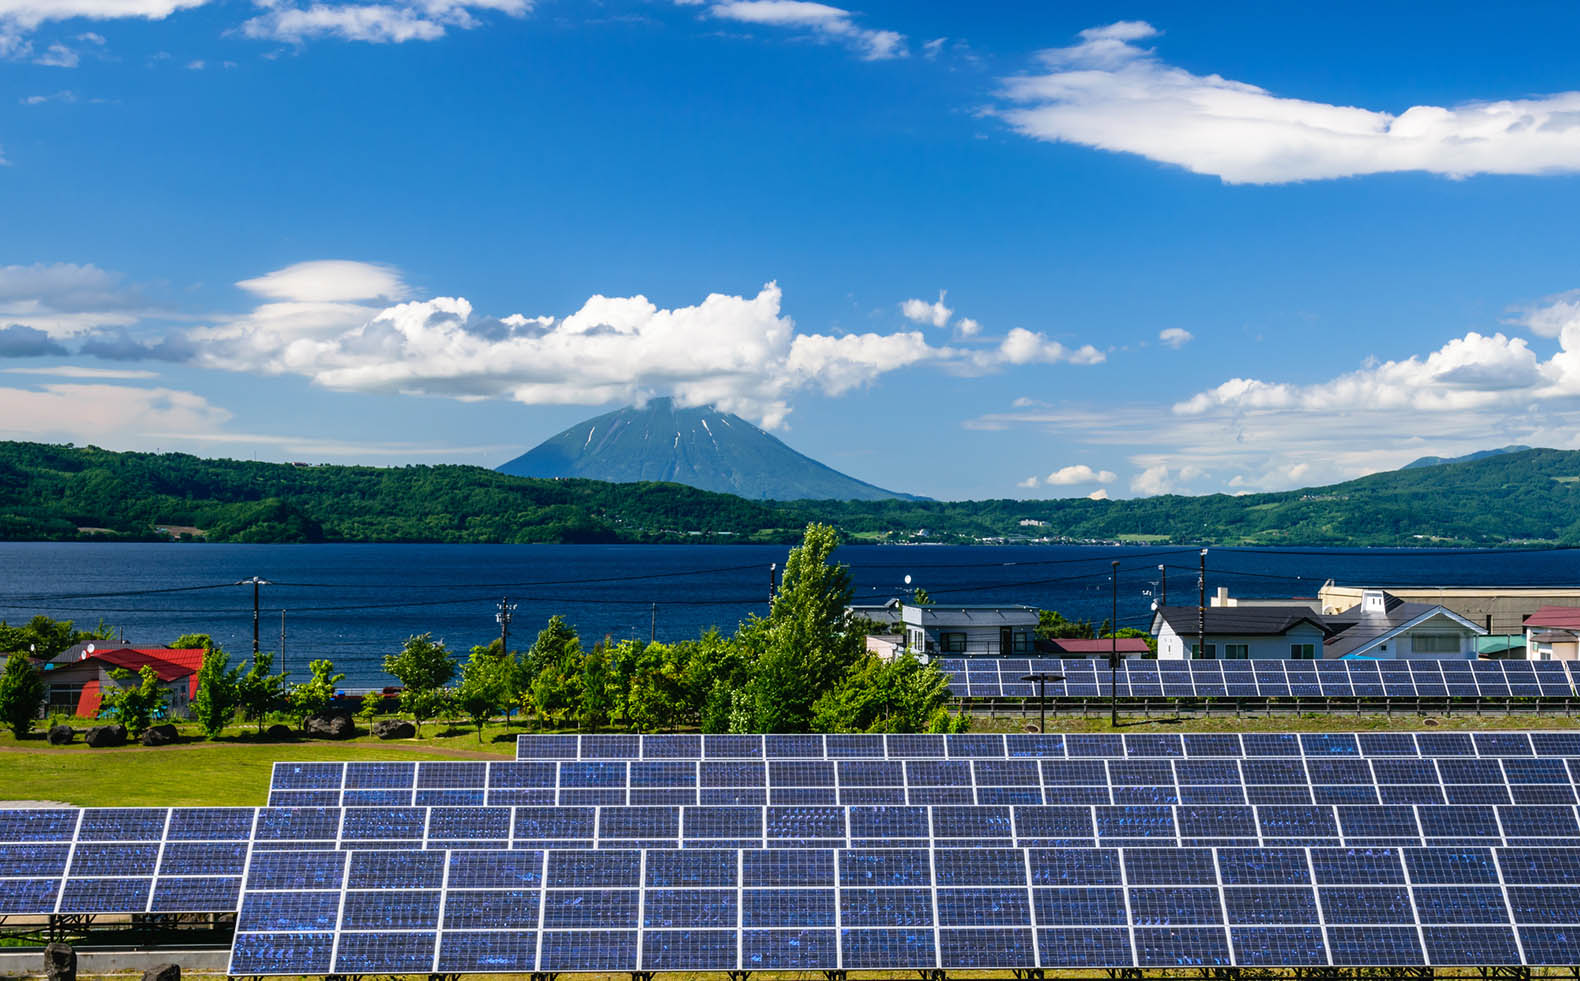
{"type": "Point", "coordinates": [333, 322]}
{"type": "Point", "coordinates": [1110, 93]}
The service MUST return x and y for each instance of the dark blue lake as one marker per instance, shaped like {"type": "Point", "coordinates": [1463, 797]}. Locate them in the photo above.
{"type": "Point", "coordinates": [356, 603]}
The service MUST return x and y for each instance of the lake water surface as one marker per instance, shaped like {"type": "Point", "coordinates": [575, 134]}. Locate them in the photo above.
{"type": "Point", "coordinates": [356, 603]}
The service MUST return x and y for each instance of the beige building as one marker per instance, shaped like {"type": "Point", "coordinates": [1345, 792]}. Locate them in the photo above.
{"type": "Point", "coordinates": [1496, 609]}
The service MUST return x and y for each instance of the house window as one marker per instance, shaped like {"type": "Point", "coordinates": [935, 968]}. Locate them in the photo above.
{"type": "Point", "coordinates": [1434, 643]}
{"type": "Point", "coordinates": [1303, 652]}
{"type": "Point", "coordinates": [1236, 652]}
{"type": "Point", "coordinates": [952, 643]}
{"type": "Point", "coordinates": [1212, 651]}
{"type": "Point", "coordinates": [1020, 643]}
{"type": "Point", "coordinates": [64, 698]}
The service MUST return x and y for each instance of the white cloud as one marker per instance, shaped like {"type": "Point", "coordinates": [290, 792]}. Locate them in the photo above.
{"type": "Point", "coordinates": [1078, 473]}
{"type": "Point", "coordinates": [1152, 481]}
{"type": "Point", "coordinates": [392, 22]}
{"type": "Point", "coordinates": [332, 322]}
{"type": "Point", "coordinates": [1175, 337]}
{"type": "Point", "coordinates": [1552, 316]}
{"type": "Point", "coordinates": [1029, 482]}
{"type": "Point", "coordinates": [922, 312]}
{"type": "Point", "coordinates": [78, 371]}
{"type": "Point", "coordinates": [329, 281]}
{"type": "Point", "coordinates": [930, 49]}
{"type": "Point", "coordinates": [967, 327]}
{"type": "Point", "coordinates": [98, 412]}
{"type": "Point", "coordinates": [1109, 93]}
{"type": "Point", "coordinates": [1021, 346]}
{"type": "Point", "coordinates": [19, 18]}
{"type": "Point", "coordinates": [820, 19]}
{"type": "Point", "coordinates": [63, 298]}
{"type": "Point", "coordinates": [64, 95]}
{"type": "Point", "coordinates": [58, 56]}
{"type": "Point", "coordinates": [1101, 494]}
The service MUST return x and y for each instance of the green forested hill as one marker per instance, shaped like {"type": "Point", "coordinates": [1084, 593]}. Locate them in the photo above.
{"type": "Point", "coordinates": [64, 492]}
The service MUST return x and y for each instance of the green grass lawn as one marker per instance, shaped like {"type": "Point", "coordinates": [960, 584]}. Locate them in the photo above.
{"type": "Point", "coordinates": [233, 770]}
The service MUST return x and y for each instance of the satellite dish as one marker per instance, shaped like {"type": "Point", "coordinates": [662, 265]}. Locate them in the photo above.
{"type": "Point", "coordinates": [907, 578]}
{"type": "Point", "coordinates": [91, 648]}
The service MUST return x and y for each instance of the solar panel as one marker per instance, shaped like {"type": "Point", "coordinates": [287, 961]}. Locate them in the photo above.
{"type": "Point", "coordinates": [1274, 678]}
{"type": "Point", "coordinates": [900, 909]}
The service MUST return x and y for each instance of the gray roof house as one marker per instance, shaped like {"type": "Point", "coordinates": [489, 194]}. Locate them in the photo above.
{"type": "Point", "coordinates": [1382, 625]}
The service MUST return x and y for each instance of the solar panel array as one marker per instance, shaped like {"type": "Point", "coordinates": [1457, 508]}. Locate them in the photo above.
{"type": "Point", "coordinates": [123, 860]}
{"type": "Point", "coordinates": [991, 677]}
{"type": "Point", "coordinates": [840, 852]}
{"type": "Point", "coordinates": [616, 910]}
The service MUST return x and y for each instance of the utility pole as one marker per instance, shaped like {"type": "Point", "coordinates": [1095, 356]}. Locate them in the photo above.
{"type": "Point", "coordinates": [1201, 607]}
{"type": "Point", "coordinates": [282, 641]}
{"type": "Point", "coordinates": [1113, 650]}
{"type": "Point", "coordinates": [1163, 571]}
{"type": "Point", "coordinates": [506, 609]}
{"type": "Point", "coordinates": [773, 581]}
{"type": "Point", "coordinates": [254, 582]}
{"type": "Point", "coordinates": [652, 630]}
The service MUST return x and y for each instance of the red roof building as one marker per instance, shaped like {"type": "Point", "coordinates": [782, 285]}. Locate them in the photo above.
{"type": "Point", "coordinates": [1093, 647]}
{"type": "Point", "coordinates": [1552, 633]}
{"type": "Point", "coordinates": [77, 687]}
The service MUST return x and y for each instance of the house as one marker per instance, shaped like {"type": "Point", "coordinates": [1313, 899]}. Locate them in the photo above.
{"type": "Point", "coordinates": [1498, 609]}
{"type": "Point", "coordinates": [1384, 626]}
{"type": "Point", "coordinates": [1552, 633]}
{"type": "Point", "coordinates": [991, 631]}
{"type": "Point", "coordinates": [1240, 632]}
{"type": "Point", "coordinates": [1381, 625]}
{"type": "Point", "coordinates": [77, 688]}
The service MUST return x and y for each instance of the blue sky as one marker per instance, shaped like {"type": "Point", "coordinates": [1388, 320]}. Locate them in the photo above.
{"type": "Point", "coordinates": [968, 251]}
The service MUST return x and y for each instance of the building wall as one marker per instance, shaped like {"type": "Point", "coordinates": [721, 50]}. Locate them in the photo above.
{"type": "Point", "coordinates": [1172, 646]}
{"type": "Point", "coordinates": [1403, 645]}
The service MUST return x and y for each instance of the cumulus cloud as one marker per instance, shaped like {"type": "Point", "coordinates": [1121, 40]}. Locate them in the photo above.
{"type": "Point", "coordinates": [967, 327]}
{"type": "Point", "coordinates": [922, 312]}
{"type": "Point", "coordinates": [817, 19]}
{"type": "Point", "coordinates": [1552, 316]}
{"type": "Point", "coordinates": [390, 22]}
{"type": "Point", "coordinates": [1078, 473]}
{"type": "Point", "coordinates": [1110, 93]}
{"type": "Point", "coordinates": [20, 341]}
{"type": "Point", "coordinates": [19, 18]}
{"type": "Point", "coordinates": [1101, 494]}
{"type": "Point", "coordinates": [1175, 337]}
{"type": "Point", "coordinates": [1474, 371]}
{"type": "Point", "coordinates": [333, 323]}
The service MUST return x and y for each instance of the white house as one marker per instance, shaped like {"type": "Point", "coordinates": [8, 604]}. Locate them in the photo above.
{"type": "Point", "coordinates": [970, 630]}
{"type": "Point", "coordinates": [1239, 632]}
{"type": "Point", "coordinates": [1384, 626]}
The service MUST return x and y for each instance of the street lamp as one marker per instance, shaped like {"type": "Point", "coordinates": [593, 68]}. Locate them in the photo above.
{"type": "Point", "coordinates": [1113, 650]}
{"type": "Point", "coordinates": [1042, 678]}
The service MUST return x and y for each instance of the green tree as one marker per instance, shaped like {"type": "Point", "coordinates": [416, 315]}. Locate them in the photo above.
{"type": "Point", "coordinates": [372, 704]}
{"type": "Point", "coordinates": [423, 667]}
{"type": "Point", "coordinates": [135, 699]}
{"type": "Point", "coordinates": [187, 642]}
{"type": "Point", "coordinates": [808, 642]}
{"type": "Point", "coordinates": [557, 642]}
{"type": "Point", "coordinates": [1052, 624]}
{"type": "Point", "coordinates": [258, 692]}
{"type": "Point", "coordinates": [21, 694]}
{"type": "Point", "coordinates": [899, 695]}
{"type": "Point", "coordinates": [218, 691]}
{"type": "Point", "coordinates": [316, 693]}
{"type": "Point", "coordinates": [596, 703]}
{"type": "Point", "coordinates": [484, 687]}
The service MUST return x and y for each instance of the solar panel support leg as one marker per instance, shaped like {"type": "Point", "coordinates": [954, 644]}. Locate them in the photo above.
{"type": "Point", "coordinates": [739, 975]}
{"type": "Point", "coordinates": [444, 977]}
{"type": "Point", "coordinates": [545, 976]}
{"type": "Point", "coordinates": [834, 976]}
{"type": "Point", "coordinates": [641, 976]}
{"type": "Point", "coordinates": [933, 975]}
{"type": "Point", "coordinates": [1027, 974]}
